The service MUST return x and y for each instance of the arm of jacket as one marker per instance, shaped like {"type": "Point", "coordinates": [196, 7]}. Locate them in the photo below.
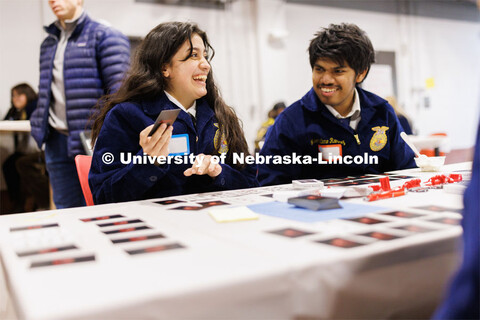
{"type": "Point", "coordinates": [401, 154]}
{"type": "Point", "coordinates": [113, 52]}
{"type": "Point", "coordinates": [116, 182]}
{"type": "Point", "coordinates": [280, 140]}
{"type": "Point", "coordinates": [463, 296]}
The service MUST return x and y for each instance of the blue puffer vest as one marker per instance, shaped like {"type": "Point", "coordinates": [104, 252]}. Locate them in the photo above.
{"type": "Point", "coordinates": [95, 60]}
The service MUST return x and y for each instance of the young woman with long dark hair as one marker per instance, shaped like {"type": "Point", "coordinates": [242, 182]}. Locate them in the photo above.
{"type": "Point", "coordinates": [171, 70]}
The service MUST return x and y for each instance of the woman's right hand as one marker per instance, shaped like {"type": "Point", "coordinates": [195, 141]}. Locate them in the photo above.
{"type": "Point", "coordinates": [157, 144]}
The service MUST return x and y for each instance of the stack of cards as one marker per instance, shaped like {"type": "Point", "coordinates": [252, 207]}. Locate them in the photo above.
{"type": "Point", "coordinates": [315, 203]}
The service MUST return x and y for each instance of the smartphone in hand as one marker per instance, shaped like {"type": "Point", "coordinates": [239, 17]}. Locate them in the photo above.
{"type": "Point", "coordinates": [166, 116]}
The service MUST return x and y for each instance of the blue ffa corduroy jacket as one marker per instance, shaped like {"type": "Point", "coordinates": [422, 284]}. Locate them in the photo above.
{"type": "Point", "coordinates": [95, 60]}
{"type": "Point", "coordinates": [307, 128]}
{"type": "Point", "coordinates": [463, 298]}
{"type": "Point", "coordinates": [120, 132]}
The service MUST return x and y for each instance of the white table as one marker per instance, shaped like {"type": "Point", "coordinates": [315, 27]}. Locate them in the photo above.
{"type": "Point", "coordinates": [15, 126]}
{"type": "Point", "coordinates": [7, 127]}
{"type": "Point", "coordinates": [230, 270]}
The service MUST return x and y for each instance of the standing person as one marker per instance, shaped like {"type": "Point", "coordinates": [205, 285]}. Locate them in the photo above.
{"type": "Point", "coordinates": [80, 60]}
{"type": "Point", "coordinates": [23, 102]}
{"type": "Point", "coordinates": [336, 117]}
{"type": "Point", "coordinates": [171, 71]}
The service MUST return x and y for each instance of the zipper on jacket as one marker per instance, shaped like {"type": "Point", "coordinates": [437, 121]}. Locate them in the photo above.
{"type": "Point", "coordinates": [357, 138]}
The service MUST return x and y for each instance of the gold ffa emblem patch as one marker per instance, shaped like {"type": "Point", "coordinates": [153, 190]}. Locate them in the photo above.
{"type": "Point", "coordinates": [223, 141]}
{"type": "Point", "coordinates": [379, 139]}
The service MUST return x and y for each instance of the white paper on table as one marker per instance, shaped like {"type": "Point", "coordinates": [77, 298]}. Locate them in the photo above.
{"type": "Point", "coordinates": [233, 214]}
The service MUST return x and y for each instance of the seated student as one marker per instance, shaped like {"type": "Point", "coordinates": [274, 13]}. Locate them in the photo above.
{"type": "Point", "coordinates": [401, 114]}
{"type": "Point", "coordinates": [336, 117]}
{"type": "Point", "coordinates": [272, 115]}
{"type": "Point", "coordinates": [23, 102]}
{"type": "Point", "coordinates": [171, 70]}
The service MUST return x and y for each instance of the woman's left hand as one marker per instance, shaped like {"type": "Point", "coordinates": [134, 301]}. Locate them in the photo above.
{"type": "Point", "coordinates": [204, 165]}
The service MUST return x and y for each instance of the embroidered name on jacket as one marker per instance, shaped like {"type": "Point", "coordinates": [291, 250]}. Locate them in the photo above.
{"type": "Point", "coordinates": [327, 141]}
{"type": "Point", "coordinates": [379, 139]}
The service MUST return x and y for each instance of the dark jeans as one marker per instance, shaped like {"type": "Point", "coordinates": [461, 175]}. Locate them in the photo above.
{"type": "Point", "coordinates": [12, 179]}
{"type": "Point", "coordinates": [62, 172]}
{"type": "Point", "coordinates": [33, 176]}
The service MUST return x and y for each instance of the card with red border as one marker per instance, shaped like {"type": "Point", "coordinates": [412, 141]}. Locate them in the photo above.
{"type": "Point", "coordinates": [451, 221]}
{"type": "Point", "coordinates": [158, 248]}
{"type": "Point", "coordinates": [119, 223]}
{"type": "Point", "coordinates": [38, 226]}
{"type": "Point", "coordinates": [402, 177]}
{"type": "Point", "coordinates": [366, 220]}
{"type": "Point", "coordinates": [436, 208]}
{"type": "Point", "coordinates": [139, 238]}
{"type": "Point", "coordinates": [213, 203]}
{"type": "Point", "coordinates": [414, 228]}
{"type": "Point", "coordinates": [187, 208]}
{"type": "Point", "coordinates": [402, 214]}
{"type": "Point", "coordinates": [127, 230]}
{"type": "Point", "coordinates": [57, 262]}
{"type": "Point", "coordinates": [341, 243]}
{"type": "Point", "coordinates": [379, 235]}
{"type": "Point", "coordinates": [167, 202]}
{"type": "Point", "coordinates": [102, 218]}
{"type": "Point", "coordinates": [315, 202]}
{"type": "Point", "coordinates": [45, 250]}
{"type": "Point", "coordinates": [291, 233]}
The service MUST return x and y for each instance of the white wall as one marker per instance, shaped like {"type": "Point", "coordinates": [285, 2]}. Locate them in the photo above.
{"type": "Point", "coordinates": [261, 54]}
{"type": "Point", "coordinates": [20, 37]}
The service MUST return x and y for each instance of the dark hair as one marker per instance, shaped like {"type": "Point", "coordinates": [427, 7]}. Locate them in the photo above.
{"type": "Point", "coordinates": [276, 110]}
{"type": "Point", "coordinates": [23, 88]}
{"type": "Point", "coordinates": [145, 81]}
{"type": "Point", "coordinates": [342, 43]}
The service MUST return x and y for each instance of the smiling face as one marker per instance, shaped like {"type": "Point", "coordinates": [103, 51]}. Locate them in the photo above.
{"type": "Point", "coordinates": [334, 84]}
{"type": "Point", "coordinates": [186, 74]}
{"type": "Point", "coordinates": [65, 9]}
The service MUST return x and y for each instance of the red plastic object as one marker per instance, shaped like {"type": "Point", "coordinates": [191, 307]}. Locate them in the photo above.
{"type": "Point", "coordinates": [442, 179]}
{"type": "Point", "coordinates": [385, 183]}
{"type": "Point", "coordinates": [83, 164]}
{"type": "Point", "coordinates": [414, 183]}
{"type": "Point", "coordinates": [456, 177]}
{"type": "Point", "coordinates": [436, 180]}
{"type": "Point", "coordinates": [386, 194]}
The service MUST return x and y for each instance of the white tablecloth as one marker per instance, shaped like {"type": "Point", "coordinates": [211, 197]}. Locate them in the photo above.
{"type": "Point", "coordinates": [235, 270]}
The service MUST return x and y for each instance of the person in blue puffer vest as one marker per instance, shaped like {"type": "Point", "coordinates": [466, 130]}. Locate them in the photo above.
{"type": "Point", "coordinates": [171, 71]}
{"type": "Point", "coordinates": [80, 61]}
{"type": "Point", "coordinates": [336, 118]}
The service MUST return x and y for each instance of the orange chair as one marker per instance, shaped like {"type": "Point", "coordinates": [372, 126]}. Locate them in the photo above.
{"type": "Point", "coordinates": [83, 168]}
